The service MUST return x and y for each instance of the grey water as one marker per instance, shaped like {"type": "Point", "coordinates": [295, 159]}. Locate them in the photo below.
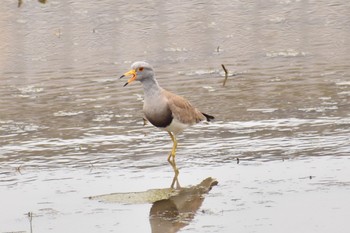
{"type": "Point", "coordinates": [279, 146]}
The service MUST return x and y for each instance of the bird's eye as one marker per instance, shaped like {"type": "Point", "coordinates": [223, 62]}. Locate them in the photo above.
{"type": "Point", "coordinates": [141, 69]}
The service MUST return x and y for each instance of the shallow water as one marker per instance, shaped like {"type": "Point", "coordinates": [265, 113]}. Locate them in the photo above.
{"type": "Point", "coordinates": [69, 130]}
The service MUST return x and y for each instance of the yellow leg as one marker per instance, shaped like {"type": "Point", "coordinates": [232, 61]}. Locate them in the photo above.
{"type": "Point", "coordinates": [176, 174]}
{"type": "Point", "coordinates": [173, 151]}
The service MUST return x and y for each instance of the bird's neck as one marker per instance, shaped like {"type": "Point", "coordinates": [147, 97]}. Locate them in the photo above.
{"type": "Point", "coordinates": [151, 87]}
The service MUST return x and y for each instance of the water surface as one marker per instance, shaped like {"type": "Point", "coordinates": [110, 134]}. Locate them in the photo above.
{"type": "Point", "coordinates": [69, 130]}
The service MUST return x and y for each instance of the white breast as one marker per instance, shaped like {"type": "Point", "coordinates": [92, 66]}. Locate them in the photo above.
{"type": "Point", "coordinates": [176, 127]}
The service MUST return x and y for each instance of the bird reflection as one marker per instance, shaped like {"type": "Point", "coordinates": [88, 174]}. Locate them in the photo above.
{"type": "Point", "coordinates": [172, 214]}
{"type": "Point", "coordinates": [172, 208]}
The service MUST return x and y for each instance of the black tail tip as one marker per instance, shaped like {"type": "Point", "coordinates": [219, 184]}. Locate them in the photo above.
{"type": "Point", "coordinates": [209, 117]}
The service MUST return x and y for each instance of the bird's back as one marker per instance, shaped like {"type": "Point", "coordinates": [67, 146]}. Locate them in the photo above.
{"type": "Point", "coordinates": [182, 109]}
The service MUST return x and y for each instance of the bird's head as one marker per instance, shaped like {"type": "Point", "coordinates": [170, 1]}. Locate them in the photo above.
{"type": "Point", "coordinates": [140, 71]}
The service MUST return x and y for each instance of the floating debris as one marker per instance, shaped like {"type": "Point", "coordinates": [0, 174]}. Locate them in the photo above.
{"type": "Point", "coordinates": [20, 2]}
{"type": "Point", "coordinates": [148, 196]}
{"type": "Point", "coordinates": [154, 195]}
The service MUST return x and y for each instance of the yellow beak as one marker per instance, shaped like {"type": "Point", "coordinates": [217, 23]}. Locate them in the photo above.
{"type": "Point", "coordinates": [133, 76]}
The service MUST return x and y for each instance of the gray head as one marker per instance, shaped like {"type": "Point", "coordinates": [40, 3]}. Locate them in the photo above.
{"type": "Point", "coordinates": [140, 71]}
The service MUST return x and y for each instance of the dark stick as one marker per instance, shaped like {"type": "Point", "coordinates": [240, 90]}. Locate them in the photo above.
{"type": "Point", "coordinates": [30, 216]}
{"type": "Point", "coordinates": [226, 74]}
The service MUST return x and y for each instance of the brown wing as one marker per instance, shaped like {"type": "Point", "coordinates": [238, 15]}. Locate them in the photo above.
{"type": "Point", "coordinates": [182, 109]}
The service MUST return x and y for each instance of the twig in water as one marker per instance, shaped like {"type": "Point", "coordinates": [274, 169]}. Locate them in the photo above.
{"type": "Point", "coordinates": [226, 75]}
{"type": "Point", "coordinates": [30, 217]}
{"type": "Point", "coordinates": [91, 166]}
{"type": "Point", "coordinates": [145, 121]}
{"type": "Point", "coordinates": [18, 169]}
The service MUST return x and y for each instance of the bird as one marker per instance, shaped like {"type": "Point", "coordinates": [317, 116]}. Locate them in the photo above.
{"type": "Point", "coordinates": [162, 108]}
